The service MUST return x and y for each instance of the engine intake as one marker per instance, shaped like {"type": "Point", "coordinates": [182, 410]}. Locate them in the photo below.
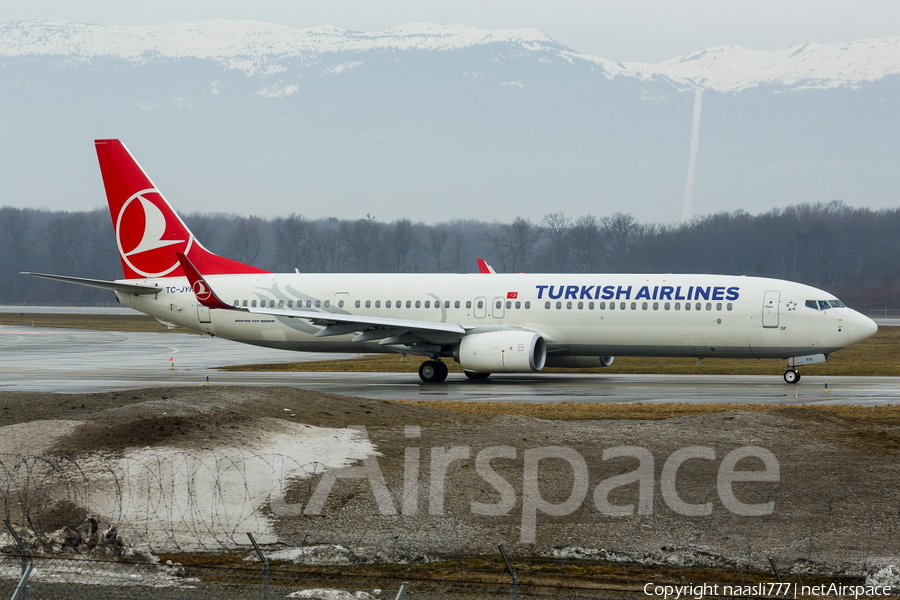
{"type": "Point", "coordinates": [502, 352]}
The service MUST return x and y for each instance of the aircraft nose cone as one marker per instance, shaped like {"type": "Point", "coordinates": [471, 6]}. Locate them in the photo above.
{"type": "Point", "coordinates": [861, 327]}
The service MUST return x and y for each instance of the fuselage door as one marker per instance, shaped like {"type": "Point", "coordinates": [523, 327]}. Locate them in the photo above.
{"type": "Point", "coordinates": [480, 307]}
{"type": "Point", "coordinates": [497, 308]}
{"type": "Point", "coordinates": [771, 302]}
{"type": "Point", "coordinates": [341, 303]}
{"type": "Point", "coordinates": [203, 313]}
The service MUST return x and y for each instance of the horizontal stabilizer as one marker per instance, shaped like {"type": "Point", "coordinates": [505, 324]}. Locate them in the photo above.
{"type": "Point", "coordinates": [129, 288]}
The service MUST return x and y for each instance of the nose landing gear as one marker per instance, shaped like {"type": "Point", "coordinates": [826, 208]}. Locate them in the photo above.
{"type": "Point", "coordinates": [791, 375]}
{"type": "Point", "coordinates": [433, 371]}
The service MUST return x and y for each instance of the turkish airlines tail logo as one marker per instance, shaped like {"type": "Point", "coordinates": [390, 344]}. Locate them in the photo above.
{"type": "Point", "coordinates": [149, 233]}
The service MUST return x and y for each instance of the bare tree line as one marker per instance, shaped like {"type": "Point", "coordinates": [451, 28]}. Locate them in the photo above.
{"type": "Point", "coordinates": [852, 252]}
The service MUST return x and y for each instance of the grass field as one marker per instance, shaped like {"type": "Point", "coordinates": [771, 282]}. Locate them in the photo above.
{"type": "Point", "coordinates": [879, 355]}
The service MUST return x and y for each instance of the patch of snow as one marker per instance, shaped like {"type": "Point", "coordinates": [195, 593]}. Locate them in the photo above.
{"type": "Point", "coordinates": [332, 594]}
{"type": "Point", "coordinates": [888, 575]}
{"type": "Point", "coordinates": [278, 91]}
{"type": "Point", "coordinates": [343, 67]}
{"type": "Point", "coordinates": [220, 491]}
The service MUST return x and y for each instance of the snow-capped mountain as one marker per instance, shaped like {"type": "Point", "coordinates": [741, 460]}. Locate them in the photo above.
{"type": "Point", "coordinates": [253, 46]}
{"type": "Point", "coordinates": [494, 122]}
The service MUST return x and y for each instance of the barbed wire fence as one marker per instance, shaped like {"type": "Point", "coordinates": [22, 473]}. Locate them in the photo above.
{"type": "Point", "coordinates": [201, 524]}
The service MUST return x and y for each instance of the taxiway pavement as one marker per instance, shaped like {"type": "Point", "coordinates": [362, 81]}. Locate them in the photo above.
{"type": "Point", "coordinates": [77, 361]}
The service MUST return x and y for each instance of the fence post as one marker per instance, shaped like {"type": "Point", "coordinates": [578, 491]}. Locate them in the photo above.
{"type": "Point", "coordinates": [402, 590]}
{"type": "Point", "coordinates": [514, 580]}
{"type": "Point", "coordinates": [777, 574]}
{"type": "Point", "coordinates": [265, 562]}
{"type": "Point", "coordinates": [22, 589]}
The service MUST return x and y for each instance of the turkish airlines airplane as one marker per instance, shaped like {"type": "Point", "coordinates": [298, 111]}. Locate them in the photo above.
{"type": "Point", "coordinates": [495, 323]}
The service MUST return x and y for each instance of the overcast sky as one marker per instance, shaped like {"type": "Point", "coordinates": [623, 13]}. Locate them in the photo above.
{"type": "Point", "coordinates": [625, 30]}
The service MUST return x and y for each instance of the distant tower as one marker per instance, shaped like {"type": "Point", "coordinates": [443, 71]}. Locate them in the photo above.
{"type": "Point", "coordinates": [692, 159]}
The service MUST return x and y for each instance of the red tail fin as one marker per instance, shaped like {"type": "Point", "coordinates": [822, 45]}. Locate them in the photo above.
{"type": "Point", "coordinates": [149, 233]}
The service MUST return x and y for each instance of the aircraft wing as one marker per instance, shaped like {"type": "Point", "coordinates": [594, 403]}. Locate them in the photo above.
{"type": "Point", "coordinates": [130, 288]}
{"type": "Point", "coordinates": [387, 331]}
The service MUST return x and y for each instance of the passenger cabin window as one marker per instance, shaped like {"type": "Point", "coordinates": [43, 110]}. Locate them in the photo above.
{"type": "Point", "coordinates": [469, 304]}
{"type": "Point", "coordinates": [237, 302]}
{"type": "Point", "coordinates": [327, 303]}
{"type": "Point", "coordinates": [480, 304]}
{"type": "Point", "coordinates": [368, 304]}
{"type": "Point", "coordinates": [378, 304]}
{"type": "Point", "coordinates": [428, 304]}
{"type": "Point", "coordinates": [558, 305]}
{"type": "Point", "coordinates": [418, 304]}
{"type": "Point", "coordinates": [244, 303]}
{"type": "Point", "coordinates": [357, 304]}
{"type": "Point", "coordinates": [527, 305]}
{"type": "Point", "coordinates": [253, 304]}
{"type": "Point", "coordinates": [340, 304]}
{"type": "Point", "coordinates": [447, 304]}
{"type": "Point", "coordinates": [387, 304]}
{"type": "Point", "coordinates": [456, 304]}
{"type": "Point", "coordinates": [290, 304]}
{"type": "Point", "coordinates": [281, 304]}
{"type": "Point", "coordinates": [546, 305]}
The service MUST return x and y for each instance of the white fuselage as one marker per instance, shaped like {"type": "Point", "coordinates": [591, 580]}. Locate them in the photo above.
{"type": "Point", "coordinates": [577, 315]}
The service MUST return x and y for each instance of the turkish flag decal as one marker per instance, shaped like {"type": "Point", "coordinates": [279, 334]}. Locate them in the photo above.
{"type": "Point", "coordinates": [512, 295]}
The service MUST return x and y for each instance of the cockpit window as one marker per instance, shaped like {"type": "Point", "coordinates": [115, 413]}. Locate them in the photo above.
{"type": "Point", "coordinates": [824, 305]}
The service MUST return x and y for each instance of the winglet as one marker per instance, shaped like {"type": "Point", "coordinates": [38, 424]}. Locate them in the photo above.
{"type": "Point", "coordinates": [205, 294]}
{"type": "Point", "coordinates": [483, 267]}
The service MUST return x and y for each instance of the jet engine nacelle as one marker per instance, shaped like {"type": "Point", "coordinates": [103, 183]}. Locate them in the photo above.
{"type": "Point", "coordinates": [502, 352]}
{"type": "Point", "coordinates": [579, 362]}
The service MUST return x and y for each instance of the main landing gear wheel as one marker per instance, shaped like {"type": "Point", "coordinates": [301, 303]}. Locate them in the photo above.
{"type": "Point", "coordinates": [433, 371]}
{"type": "Point", "coordinates": [791, 376]}
{"type": "Point", "coordinates": [476, 375]}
